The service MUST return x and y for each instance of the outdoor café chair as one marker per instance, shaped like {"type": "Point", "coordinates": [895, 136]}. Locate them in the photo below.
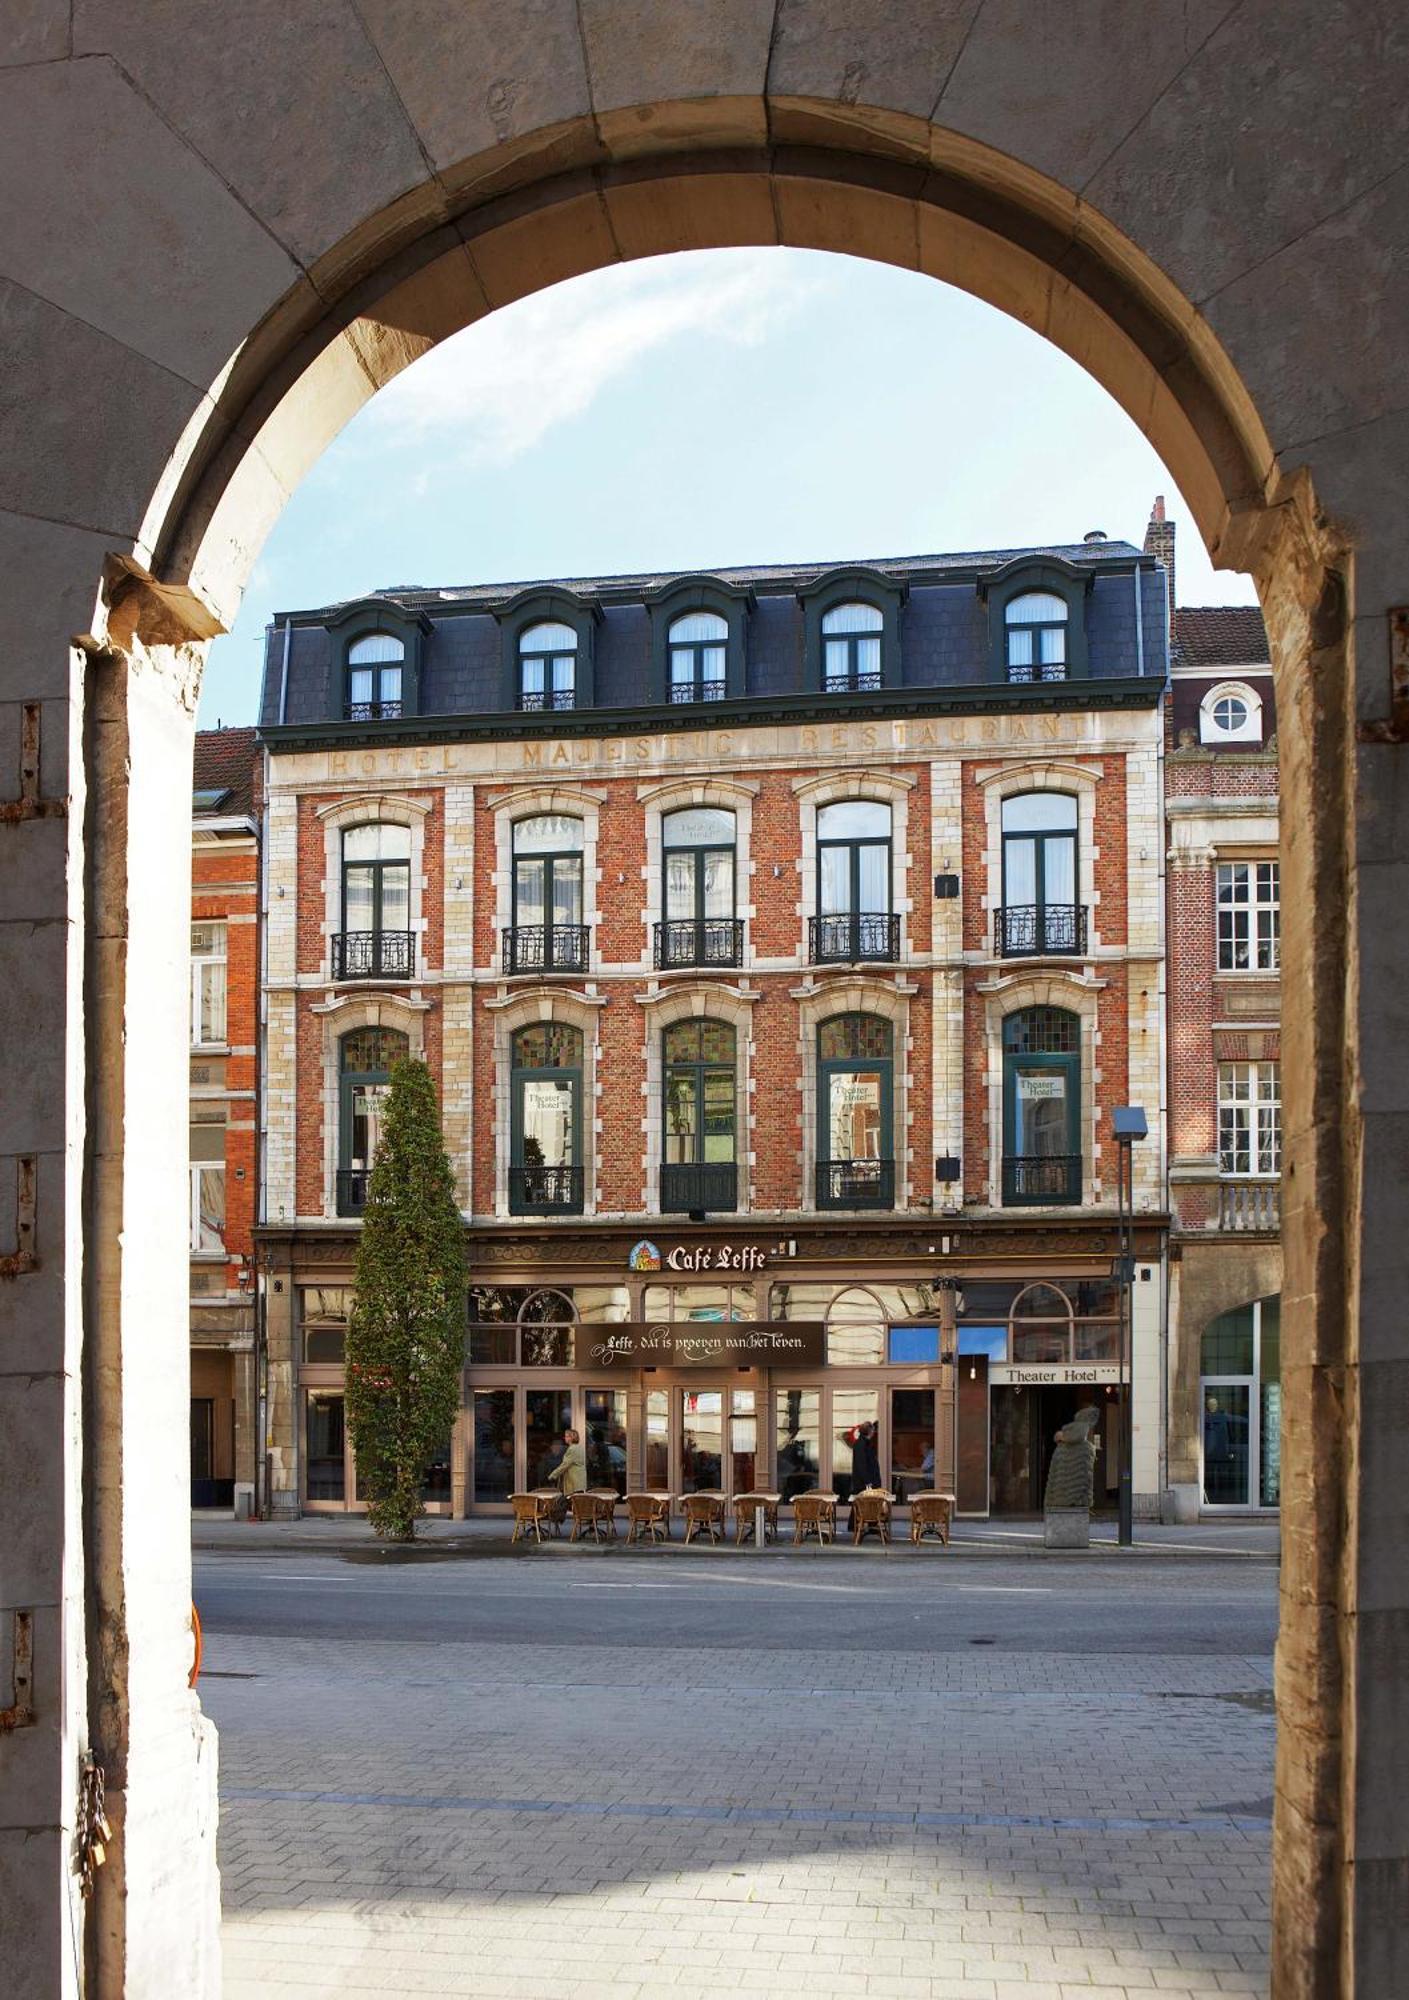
{"type": "Point", "coordinates": [554, 1504]}
{"type": "Point", "coordinates": [648, 1515]}
{"type": "Point", "coordinates": [931, 1514]}
{"type": "Point", "coordinates": [529, 1515]}
{"type": "Point", "coordinates": [745, 1507]}
{"type": "Point", "coordinates": [870, 1515]}
{"type": "Point", "coordinates": [703, 1512]}
{"type": "Point", "coordinates": [590, 1510]}
{"type": "Point", "coordinates": [815, 1514]}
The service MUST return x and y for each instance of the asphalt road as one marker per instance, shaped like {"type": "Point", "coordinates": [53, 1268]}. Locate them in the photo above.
{"type": "Point", "coordinates": [1178, 1608]}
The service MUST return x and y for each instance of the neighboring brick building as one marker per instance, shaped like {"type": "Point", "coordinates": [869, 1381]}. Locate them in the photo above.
{"type": "Point", "coordinates": [1221, 808]}
{"type": "Point", "coordinates": [780, 941]}
{"type": "Point", "coordinates": [224, 1161]}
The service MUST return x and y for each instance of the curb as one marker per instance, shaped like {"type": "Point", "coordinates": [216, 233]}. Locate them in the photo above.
{"type": "Point", "coordinates": [496, 1548]}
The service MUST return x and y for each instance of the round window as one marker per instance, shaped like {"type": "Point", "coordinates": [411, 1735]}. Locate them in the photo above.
{"type": "Point", "coordinates": [1230, 713]}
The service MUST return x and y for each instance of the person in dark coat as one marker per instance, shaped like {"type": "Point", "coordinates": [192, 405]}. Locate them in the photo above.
{"type": "Point", "coordinates": [865, 1459]}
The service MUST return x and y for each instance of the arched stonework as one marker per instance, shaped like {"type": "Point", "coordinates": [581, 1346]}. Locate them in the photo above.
{"type": "Point", "coordinates": [735, 795]}
{"type": "Point", "coordinates": [697, 999]}
{"type": "Point", "coordinates": [517, 1010]}
{"type": "Point", "coordinates": [576, 801]}
{"type": "Point", "coordinates": [394, 809]}
{"type": "Point", "coordinates": [339, 1017]}
{"type": "Point", "coordinates": [892, 788]}
{"type": "Point", "coordinates": [817, 1001]}
{"type": "Point", "coordinates": [1075, 993]}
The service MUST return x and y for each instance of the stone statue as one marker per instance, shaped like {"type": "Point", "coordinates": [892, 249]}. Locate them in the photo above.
{"type": "Point", "coordinates": [1071, 1475]}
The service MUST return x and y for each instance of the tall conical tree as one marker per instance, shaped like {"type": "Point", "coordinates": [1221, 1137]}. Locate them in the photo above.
{"type": "Point", "coordinates": [406, 1338]}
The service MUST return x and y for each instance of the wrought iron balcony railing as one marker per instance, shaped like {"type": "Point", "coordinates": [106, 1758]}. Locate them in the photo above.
{"type": "Point", "coordinates": [1029, 673]}
{"type": "Point", "coordinates": [546, 948]}
{"type": "Point", "coordinates": [700, 941]}
{"type": "Point", "coordinates": [1250, 1205]}
{"type": "Point", "coordinates": [1050, 1178]}
{"type": "Point", "coordinates": [853, 939]}
{"type": "Point", "coordinates": [698, 690]}
{"type": "Point", "coordinates": [353, 1183]}
{"type": "Point", "coordinates": [536, 700]}
{"type": "Point", "coordinates": [1037, 930]}
{"type": "Point", "coordinates": [710, 1186]}
{"type": "Point", "coordinates": [856, 1183]}
{"type": "Point", "coordinates": [545, 1190]}
{"type": "Point", "coordinates": [852, 683]}
{"type": "Point", "coordinates": [373, 711]}
{"type": "Point", "coordinates": [374, 954]}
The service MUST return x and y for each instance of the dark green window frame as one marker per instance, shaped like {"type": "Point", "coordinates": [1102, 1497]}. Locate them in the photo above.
{"type": "Point", "coordinates": [548, 658]}
{"type": "Point", "coordinates": [852, 1045]}
{"type": "Point", "coordinates": [378, 871]}
{"type": "Point", "coordinates": [1042, 1041]}
{"type": "Point", "coordinates": [386, 1047]}
{"type": "Point", "coordinates": [703, 683]}
{"type": "Point", "coordinates": [685, 1062]}
{"type": "Point", "coordinates": [537, 1187]}
{"type": "Point", "coordinates": [854, 678]}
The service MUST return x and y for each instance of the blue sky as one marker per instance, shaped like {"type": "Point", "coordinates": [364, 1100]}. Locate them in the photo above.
{"type": "Point", "coordinates": [727, 406]}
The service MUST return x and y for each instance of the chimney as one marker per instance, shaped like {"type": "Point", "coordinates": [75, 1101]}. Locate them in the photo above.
{"type": "Point", "coordinates": [1159, 543]}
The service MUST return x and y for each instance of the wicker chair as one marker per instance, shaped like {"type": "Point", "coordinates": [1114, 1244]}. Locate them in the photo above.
{"type": "Point", "coordinates": [554, 1505]}
{"type": "Point", "coordinates": [815, 1514]}
{"type": "Point", "coordinates": [931, 1514]}
{"type": "Point", "coordinates": [529, 1517]}
{"type": "Point", "coordinates": [704, 1513]}
{"type": "Point", "coordinates": [870, 1515]}
{"type": "Point", "coordinates": [745, 1507]}
{"type": "Point", "coordinates": [648, 1515]}
{"type": "Point", "coordinates": [591, 1511]}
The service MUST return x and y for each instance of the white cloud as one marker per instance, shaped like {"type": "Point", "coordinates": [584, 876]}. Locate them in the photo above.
{"type": "Point", "coordinates": [497, 389]}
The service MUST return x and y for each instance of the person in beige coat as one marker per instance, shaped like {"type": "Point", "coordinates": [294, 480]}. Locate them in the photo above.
{"type": "Point", "coordinates": [569, 1475]}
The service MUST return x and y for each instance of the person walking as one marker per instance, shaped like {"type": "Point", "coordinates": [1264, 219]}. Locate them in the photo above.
{"type": "Point", "coordinates": [569, 1475]}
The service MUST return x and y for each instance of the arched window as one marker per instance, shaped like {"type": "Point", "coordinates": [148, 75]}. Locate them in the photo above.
{"type": "Point", "coordinates": [1040, 1326]}
{"type": "Point", "coordinates": [366, 1057]}
{"type": "Point", "coordinates": [1035, 625]}
{"type": "Point", "coordinates": [856, 1329]}
{"type": "Point", "coordinates": [855, 1148]}
{"type": "Point", "coordinates": [547, 933]}
{"type": "Point", "coordinates": [546, 1323]}
{"type": "Point", "coordinates": [545, 1169]}
{"type": "Point", "coordinates": [698, 647]}
{"type": "Point", "coordinates": [375, 665]}
{"type": "Point", "coordinates": [698, 1171]}
{"type": "Point", "coordinates": [1041, 1106]}
{"type": "Point", "coordinates": [1230, 714]}
{"type": "Point", "coordinates": [851, 648]}
{"type": "Point", "coordinates": [376, 940]}
{"type": "Point", "coordinates": [1039, 911]}
{"type": "Point", "coordinates": [854, 920]}
{"type": "Point", "coordinates": [700, 927]}
{"type": "Point", "coordinates": [547, 666]}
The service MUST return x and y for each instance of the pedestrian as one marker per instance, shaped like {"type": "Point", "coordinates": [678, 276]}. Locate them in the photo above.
{"type": "Point", "coordinates": [570, 1473]}
{"type": "Point", "coordinates": [865, 1459]}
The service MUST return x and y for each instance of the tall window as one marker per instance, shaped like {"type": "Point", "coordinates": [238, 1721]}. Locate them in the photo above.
{"type": "Point", "coordinates": [1039, 911]}
{"type": "Point", "coordinates": [1240, 1390]}
{"type": "Point", "coordinates": [547, 666]}
{"type": "Point", "coordinates": [547, 932]}
{"type": "Point", "coordinates": [208, 985]}
{"type": "Point", "coordinates": [700, 927]}
{"type": "Point", "coordinates": [545, 1169]}
{"type": "Point", "coordinates": [853, 884]}
{"type": "Point", "coordinates": [375, 666]}
{"type": "Point", "coordinates": [207, 1207]}
{"type": "Point", "coordinates": [698, 1170]}
{"type": "Point", "coordinates": [1250, 1117]}
{"type": "Point", "coordinates": [699, 652]}
{"type": "Point", "coordinates": [851, 648]}
{"type": "Point", "coordinates": [375, 940]}
{"type": "Point", "coordinates": [366, 1059]}
{"type": "Point", "coordinates": [855, 1163]}
{"type": "Point", "coordinates": [1036, 636]}
{"type": "Point", "coordinates": [1041, 1106]}
{"type": "Point", "coordinates": [1249, 916]}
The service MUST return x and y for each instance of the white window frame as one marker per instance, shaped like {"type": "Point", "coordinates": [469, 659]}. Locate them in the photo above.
{"type": "Point", "coordinates": [198, 1247]}
{"type": "Point", "coordinates": [1247, 731]}
{"type": "Point", "coordinates": [204, 964]}
{"type": "Point", "coordinates": [1250, 1119]}
{"type": "Point", "coordinates": [1260, 906]}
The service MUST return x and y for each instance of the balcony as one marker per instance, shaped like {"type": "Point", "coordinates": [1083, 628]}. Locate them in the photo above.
{"type": "Point", "coordinates": [698, 691]}
{"type": "Point", "coordinates": [1052, 1178]}
{"type": "Point", "coordinates": [1029, 674]}
{"type": "Point", "coordinates": [533, 701]}
{"type": "Point", "coordinates": [705, 1188]}
{"type": "Point", "coordinates": [353, 1183]}
{"type": "Point", "coordinates": [850, 939]}
{"type": "Point", "coordinates": [856, 1183]}
{"type": "Point", "coordinates": [545, 1190]}
{"type": "Point", "coordinates": [1250, 1205]}
{"type": "Point", "coordinates": [546, 948]}
{"type": "Point", "coordinates": [852, 683]}
{"type": "Point", "coordinates": [373, 711]}
{"type": "Point", "coordinates": [699, 941]}
{"type": "Point", "coordinates": [1038, 930]}
{"type": "Point", "coordinates": [374, 954]}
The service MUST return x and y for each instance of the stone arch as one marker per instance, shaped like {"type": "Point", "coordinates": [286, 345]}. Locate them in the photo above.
{"type": "Point", "coordinates": [697, 999]}
{"type": "Point", "coordinates": [1074, 993]}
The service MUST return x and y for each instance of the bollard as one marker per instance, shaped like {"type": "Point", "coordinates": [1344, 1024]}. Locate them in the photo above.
{"type": "Point", "coordinates": [760, 1525]}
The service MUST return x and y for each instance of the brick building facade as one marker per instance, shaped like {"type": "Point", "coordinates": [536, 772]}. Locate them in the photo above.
{"type": "Point", "coordinates": [780, 942]}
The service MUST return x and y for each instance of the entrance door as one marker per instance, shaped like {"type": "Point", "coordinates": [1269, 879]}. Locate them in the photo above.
{"type": "Point", "coordinates": [1228, 1456]}
{"type": "Point", "coordinates": [202, 1451]}
{"type": "Point", "coordinates": [702, 1440]}
{"type": "Point", "coordinates": [325, 1459]}
{"type": "Point", "coordinates": [493, 1447]}
{"type": "Point", "coordinates": [856, 1433]}
{"type": "Point", "coordinates": [604, 1436]}
{"type": "Point", "coordinates": [912, 1442]}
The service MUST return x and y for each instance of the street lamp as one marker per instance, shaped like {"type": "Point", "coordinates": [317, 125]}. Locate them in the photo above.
{"type": "Point", "coordinates": [1127, 1125]}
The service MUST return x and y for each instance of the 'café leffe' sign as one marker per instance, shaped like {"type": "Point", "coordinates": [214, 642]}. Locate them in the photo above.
{"type": "Point", "coordinates": [738, 1259]}
{"type": "Point", "coordinates": [693, 1343]}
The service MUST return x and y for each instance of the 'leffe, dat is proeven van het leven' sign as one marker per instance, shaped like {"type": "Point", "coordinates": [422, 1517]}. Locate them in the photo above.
{"type": "Point", "coordinates": [741, 1343]}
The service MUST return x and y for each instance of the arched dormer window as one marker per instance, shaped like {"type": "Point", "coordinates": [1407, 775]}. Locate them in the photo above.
{"type": "Point", "coordinates": [699, 636]}
{"type": "Point", "coordinates": [699, 654]}
{"type": "Point", "coordinates": [375, 677]}
{"type": "Point", "coordinates": [547, 666]}
{"type": "Point", "coordinates": [1037, 620]}
{"type": "Point", "coordinates": [547, 651]}
{"type": "Point", "coordinates": [851, 648]}
{"type": "Point", "coordinates": [851, 631]}
{"type": "Point", "coordinates": [1035, 627]}
{"type": "Point", "coordinates": [1231, 713]}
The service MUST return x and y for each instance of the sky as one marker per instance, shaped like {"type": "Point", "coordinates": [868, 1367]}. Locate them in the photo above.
{"type": "Point", "coordinates": [697, 411]}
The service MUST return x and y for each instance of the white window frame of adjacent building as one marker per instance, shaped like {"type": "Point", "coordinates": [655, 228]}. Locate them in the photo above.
{"type": "Point", "coordinates": [206, 1243]}
{"type": "Point", "coordinates": [1250, 1120]}
{"type": "Point", "coordinates": [1259, 905]}
{"type": "Point", "coordinates": [208, 973]}
{"type": "Point", "coordinates": [1217, 721]}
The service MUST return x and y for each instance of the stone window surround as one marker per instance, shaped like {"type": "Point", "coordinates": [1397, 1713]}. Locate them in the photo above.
{"type": "Point", "coordinates": [340, 1016]}
{"type": "Point", "coordinates": [674, 795]}
{"type": "Point", "coordinates": [1045, 774]}
{"type": "Point", "coordinates": [890, 788]}
{"type": "Point", "coordinates": [391, 809]}
{"type": "Point", "coordinates": [526, 802]}
{"type": "Point", "coordinates": [574, 1008]}
{"type": "Point", "coordinates": [699, 999]}
{"type": "Point", "coordinates": [1076, 993]}
{"type": "Point", "coordinates": [1250, 732]}
{"type": "Point", "coordinates": [860, 993]}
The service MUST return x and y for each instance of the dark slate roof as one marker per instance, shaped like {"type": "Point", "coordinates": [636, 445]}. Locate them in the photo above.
{"type": "Point", "coordinates": [226, 762]}
{"type": "Point", "coordinates": [1220, 635]}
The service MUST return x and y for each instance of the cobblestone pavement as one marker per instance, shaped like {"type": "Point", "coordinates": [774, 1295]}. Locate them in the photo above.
{"type": "Point", "coordinates": [935, 1804]}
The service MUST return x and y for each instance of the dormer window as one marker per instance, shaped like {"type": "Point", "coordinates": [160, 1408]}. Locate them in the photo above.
{"type": "Point", "coordinates": [1230, 714]}
{"type": "Point", "coordinates": [375, 665]}
{"type": "Point", "coordinates": [699, 657]}
{"type": "Point", "coordinates": [851, 648]}
{"type": "Point", "coordinates": [547, 666]}
{"type": "Point", "coordinates": [1036, 636]}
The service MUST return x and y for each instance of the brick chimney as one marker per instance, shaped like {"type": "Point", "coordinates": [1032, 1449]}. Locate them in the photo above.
{"type": "Point", "coordinates": [1159, 543]}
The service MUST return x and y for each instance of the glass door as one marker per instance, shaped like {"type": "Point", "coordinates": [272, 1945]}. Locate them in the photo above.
{"type": "Point", "coordinates": [493, 1428]}
{"type": "Point", "coordinates": [325, 1453]}
{"type": "Point", "coordinates": [1228, 1442]}
{"type": "Point", "coordinates": [604, 1412]}
{"type": "Point", "coordinates": [912, 1442]}
{"type": "Point", "coordinates": [856, 1432]}
{"type": "Point", "coordinates": [797, 1416]}
{"type": "Point", "coordinates": [702, 1440]}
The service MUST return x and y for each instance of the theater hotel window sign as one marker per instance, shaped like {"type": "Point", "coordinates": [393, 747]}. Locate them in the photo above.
{"type": "Point", "coordinates": [709, 1366]}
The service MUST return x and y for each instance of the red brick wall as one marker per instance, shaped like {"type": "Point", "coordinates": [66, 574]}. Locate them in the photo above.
{"type": "Point", "coordinates": [224, 887]}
